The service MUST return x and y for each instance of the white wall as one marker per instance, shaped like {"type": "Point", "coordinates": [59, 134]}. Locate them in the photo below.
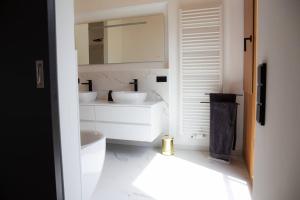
{"type": "Point", "coordinates": [82, 6]}
{"type": "Point", "coordinates": [233, 57]}
{"type": "Point", "coordinates": [68, 99]}
{"type": "Point", "coordinates": [277, 165]}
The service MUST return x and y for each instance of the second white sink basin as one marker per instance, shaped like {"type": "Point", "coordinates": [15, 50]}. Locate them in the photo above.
{"type": "Point", "coordinates": [85, 97]}
{"type": "Point", "coordinates": [129, 97]}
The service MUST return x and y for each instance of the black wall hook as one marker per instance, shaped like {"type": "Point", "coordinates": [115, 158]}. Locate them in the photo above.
{"type": "Point", "coordinates": [245, 42]}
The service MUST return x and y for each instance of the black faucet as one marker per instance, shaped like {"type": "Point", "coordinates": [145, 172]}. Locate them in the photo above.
{"type": "Point", "coordinates": [89, 83]}
{"type": "Point", "coordinates": [109, 98]}
{"type": "Point", "coordinates": [135, 83]}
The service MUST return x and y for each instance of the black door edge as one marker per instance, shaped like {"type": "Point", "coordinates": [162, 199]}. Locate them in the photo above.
{"type": "Point", "coordinates": [54, 101]}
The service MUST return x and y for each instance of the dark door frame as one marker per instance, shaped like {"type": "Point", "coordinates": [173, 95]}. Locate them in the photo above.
{"type": "Point", "coordinates": [54, 101]}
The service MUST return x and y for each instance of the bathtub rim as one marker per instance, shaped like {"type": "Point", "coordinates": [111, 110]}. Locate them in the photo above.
{"type": "Point", "coordinates": [101, 139]}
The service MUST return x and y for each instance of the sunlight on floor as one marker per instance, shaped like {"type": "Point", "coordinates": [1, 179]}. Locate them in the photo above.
{"type": "Point", "coordinates": [174, 178]}
{"type": "Point", "coordinates": [139, 173]}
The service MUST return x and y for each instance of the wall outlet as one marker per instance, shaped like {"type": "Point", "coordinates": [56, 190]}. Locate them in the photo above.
{"type": "Point", "coordinates": [161, 79]}
{"type": "Point", "coordinates": [199, 136]}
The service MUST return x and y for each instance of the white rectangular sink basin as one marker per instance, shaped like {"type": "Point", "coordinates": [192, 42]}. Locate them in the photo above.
{"type": "Point", "coordinates": [85, 97]}
{"type": "Point", "coordinates": [129, 97]}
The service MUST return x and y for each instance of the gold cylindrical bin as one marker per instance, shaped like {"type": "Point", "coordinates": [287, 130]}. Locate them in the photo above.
{"type": "Point", "coordinates": [167, 145]}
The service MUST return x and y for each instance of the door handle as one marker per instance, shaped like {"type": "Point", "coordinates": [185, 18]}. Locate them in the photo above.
{"type": "Point", "coordinates": [245, 42]}
{"type": "Point", "coordinates": [39, 69]}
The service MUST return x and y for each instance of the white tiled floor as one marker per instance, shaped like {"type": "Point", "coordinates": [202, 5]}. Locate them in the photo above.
{"type": "Point", "coordinates": [140, 173]}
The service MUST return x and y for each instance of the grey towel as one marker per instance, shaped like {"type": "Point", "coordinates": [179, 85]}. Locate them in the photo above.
{"type": "Point", "coordinates": [222, 129]}
{"type": "Point", "coordinates": [225, 97]}
{"type": "Point", "coordinates": [222, 97]}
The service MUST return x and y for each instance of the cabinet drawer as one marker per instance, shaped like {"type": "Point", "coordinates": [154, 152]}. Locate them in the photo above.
{"type": "Point", "coordinates": [125, 131]}
{"type": "Point", "coordinates": [87, 113]}
{"type": "Point", "coordinates": [138, 115]}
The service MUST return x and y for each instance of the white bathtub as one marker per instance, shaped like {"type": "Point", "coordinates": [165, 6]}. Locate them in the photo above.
{"type": "Point", "coordinates": [93, 145]}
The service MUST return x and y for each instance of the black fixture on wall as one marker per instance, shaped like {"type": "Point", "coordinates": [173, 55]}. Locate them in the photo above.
{"type": "Point", "coordinates": [89, 83]}
{"type": "Point", "coordinates": [261, 93]}
{"type": "Point", "coordinates": [109, 98]}
{"type": "Point", "coordinates": [161, 79]}
{"type": "Point", "coordinates": [135, 83]}
{"type": "Point", "coordinates": [245, 42]}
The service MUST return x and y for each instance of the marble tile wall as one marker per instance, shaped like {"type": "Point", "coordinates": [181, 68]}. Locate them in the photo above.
{"type": "Point", "coordinates": [104, 81]}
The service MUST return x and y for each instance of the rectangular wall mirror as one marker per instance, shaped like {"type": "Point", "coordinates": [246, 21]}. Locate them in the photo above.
{"type": "Point", "coordinates": [127, 40]}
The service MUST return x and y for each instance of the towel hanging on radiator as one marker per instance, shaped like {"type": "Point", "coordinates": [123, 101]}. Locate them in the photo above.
{"type": "Point", "coordinates": [223, 115]}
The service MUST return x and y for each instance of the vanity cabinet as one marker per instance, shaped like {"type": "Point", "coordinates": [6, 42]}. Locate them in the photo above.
{"type": "Point", "coordinates": [123, 122]}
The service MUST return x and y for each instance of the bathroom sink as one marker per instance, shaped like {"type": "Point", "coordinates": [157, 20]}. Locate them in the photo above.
{"type": "Point", "coordinates": [129, 97]}
{"type": "Point", "coordinates": [85, 97]}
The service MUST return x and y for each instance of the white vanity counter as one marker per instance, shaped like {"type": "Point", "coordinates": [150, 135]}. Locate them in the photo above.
{"type": "Point", "coordinates": [107, 103]}
{"type": "Point", "coordinates": [139, 122]}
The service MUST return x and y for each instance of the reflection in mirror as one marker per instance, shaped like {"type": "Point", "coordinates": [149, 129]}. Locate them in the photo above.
{"type": "Point", "coordinates": [96, 46]}
{"type": "Point", "coordinates": [127, 40]}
